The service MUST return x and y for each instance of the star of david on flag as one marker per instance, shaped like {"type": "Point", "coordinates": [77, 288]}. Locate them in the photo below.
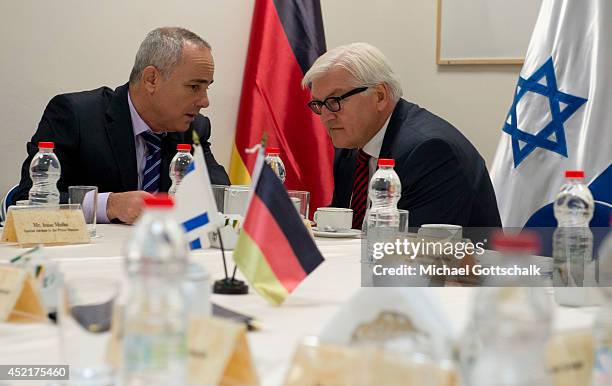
{"type": "Point", "coordinates": [562, 106]}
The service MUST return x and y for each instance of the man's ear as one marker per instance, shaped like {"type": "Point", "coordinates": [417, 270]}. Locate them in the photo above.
{"type": "Point", "coordinates": [383, 95]}
{"type": "Point", "coordinates": [150, 79]}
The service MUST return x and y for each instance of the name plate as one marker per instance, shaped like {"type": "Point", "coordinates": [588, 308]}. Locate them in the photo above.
{"type": "Point", "coordinates": [49, 225]}
{"type": "Point", "coordinates": [217, 351]}
{"type": "Point", "coordinates": [570, 358]}
{"type": "Point", "coordinates": [19, 297]}
{"type": "Point", "coordinates": [317, 364]}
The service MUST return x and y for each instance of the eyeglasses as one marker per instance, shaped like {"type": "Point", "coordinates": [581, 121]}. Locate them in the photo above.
{"type": "Point", "coordinates": [332, 103]}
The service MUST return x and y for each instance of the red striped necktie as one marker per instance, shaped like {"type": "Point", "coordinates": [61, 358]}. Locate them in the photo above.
{"type": "Point", "coordinates": [359, 199]}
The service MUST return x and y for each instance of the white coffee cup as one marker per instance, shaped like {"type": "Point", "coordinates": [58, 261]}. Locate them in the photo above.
{"type": "Point", "coordinates": [450, 232]}
{"type": "Point", "coordinates": [333, 219]}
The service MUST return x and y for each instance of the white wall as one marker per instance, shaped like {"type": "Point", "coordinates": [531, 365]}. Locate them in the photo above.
{"type": "Point", "coordinates": [50, 47]}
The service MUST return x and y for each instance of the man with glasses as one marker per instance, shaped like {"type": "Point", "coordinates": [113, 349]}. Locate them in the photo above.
{"type": "Point", "coordinates": [358, 98]}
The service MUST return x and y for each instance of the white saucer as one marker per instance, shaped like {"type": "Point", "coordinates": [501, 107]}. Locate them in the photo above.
{"type": "Point", "coordinates": [349, 233]}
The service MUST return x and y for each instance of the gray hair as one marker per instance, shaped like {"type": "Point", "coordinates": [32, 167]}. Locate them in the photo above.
{"type": "Point", "coordinates": [363, 61]}
{"type": "Point", "coordinates": [162, 48]}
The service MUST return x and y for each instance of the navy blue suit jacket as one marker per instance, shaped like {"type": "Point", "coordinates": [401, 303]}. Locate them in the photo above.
{"type": "Point", "coordinates": [444, 178]}
{"type": "Point", "coordinates": [94, 142]}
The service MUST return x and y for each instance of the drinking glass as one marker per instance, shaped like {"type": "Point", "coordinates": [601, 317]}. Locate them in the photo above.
{"type": "Point", "coordinates": [236, 199]}
{"type": "Point", "coordinates": [87, 197]}
{"type": "Point", "coordinates": [85, 319]}
{"type": "Point", "coordinates": [301, 200]}
{"type": "Point", "coordinates": [219, 194]}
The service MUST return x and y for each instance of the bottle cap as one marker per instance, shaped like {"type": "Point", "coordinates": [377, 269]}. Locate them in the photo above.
{"type": "Point", "coordinates": [574, 174]}
{"type": "Point", "coordinates": [183, 146]}
{"type": "Point", "coordinates": [46, 145]}
{"type": "Point", "coordinates": [525, 241]}
{"type": "Point", "coordinates": [159, 200]}
{"type": "Point", "coordinates": [386, 162]}
{"type": "Point", "coordinates": [272, 151]}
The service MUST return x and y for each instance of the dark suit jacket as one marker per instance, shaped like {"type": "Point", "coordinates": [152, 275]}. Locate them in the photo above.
{"type": "Point", "coordinates": [94, 142]}
{"type": "Point", "coordinates": [444, 178]}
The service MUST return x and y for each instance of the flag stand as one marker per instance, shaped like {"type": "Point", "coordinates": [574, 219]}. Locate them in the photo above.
{"type": "Point", "coordinates": [227, 285]}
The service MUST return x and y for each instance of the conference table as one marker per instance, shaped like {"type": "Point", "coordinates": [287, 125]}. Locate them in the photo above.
{"type": "Point", "coordinates": [305, 313]}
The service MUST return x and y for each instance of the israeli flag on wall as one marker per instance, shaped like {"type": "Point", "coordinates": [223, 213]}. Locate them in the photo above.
{"type": "Point", "coordinates": [561, 115]}
{"type": "Point", "coordinates": [195, 206]}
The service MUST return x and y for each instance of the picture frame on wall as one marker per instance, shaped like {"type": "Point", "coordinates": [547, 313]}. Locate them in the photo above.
{"type": "Point", "coordinates": [484, 31]}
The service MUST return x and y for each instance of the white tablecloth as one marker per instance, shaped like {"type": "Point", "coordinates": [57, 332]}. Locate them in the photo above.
{"type": "Point", "coordinates": [304, 313]}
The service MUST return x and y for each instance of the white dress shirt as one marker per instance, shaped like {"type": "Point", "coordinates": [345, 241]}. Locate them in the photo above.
{"type": "Point", "coordinates": [372, 148]}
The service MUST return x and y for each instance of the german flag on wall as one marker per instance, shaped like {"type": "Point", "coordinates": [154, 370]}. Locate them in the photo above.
{"type": "Point", "coordinates": [274, 250]}
{"type": "Point", "coordinates": [286, 38]}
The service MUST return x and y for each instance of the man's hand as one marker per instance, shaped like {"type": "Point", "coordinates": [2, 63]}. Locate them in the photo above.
{"type": "Point", "coordinates": [126, 206]}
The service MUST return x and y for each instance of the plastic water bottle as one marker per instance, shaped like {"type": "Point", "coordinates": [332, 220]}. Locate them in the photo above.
{"type": "Point", "coordinates": [179, 165]}
{"type": "Point", "coordinates": [506, 341]}
{"type": "Point", "coordinates": [276, 163]}
{"type": "Point", "coordinates": [384, 192]}
{"type": "Point", "coordinates": [45, 171]}
{"type": "Point", "coordinates": [602, 328]}
{"type": "Point", "coordinates": [382, 218]}
{"type": "Point", "coordinates": [155, 321]}
{"type": "Point", "coordinates": [573, 243]}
